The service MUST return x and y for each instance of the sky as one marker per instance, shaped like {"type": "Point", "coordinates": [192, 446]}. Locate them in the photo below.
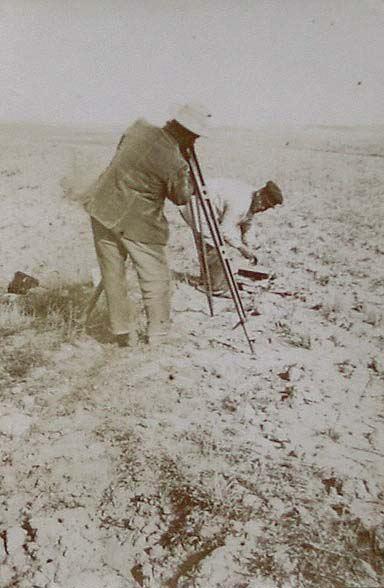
{"type": "Point", "coordinates": [251, 62]}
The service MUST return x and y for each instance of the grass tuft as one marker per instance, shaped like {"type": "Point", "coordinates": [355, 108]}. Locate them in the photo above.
{"type": "Point", "coordinates": [293, 338]}
{"type": "Point", "coordinates": [16, 362]}
{"type": "Point", "coordinates": [60, 309]}
{"type": "Point", "coordinates": [29, 323]}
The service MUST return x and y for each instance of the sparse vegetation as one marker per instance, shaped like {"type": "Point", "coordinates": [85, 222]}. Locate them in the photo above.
{"type": "Point", "coordinates": [293, 338]}
{"type": "Point", "coordinates": [58, 312]}
{"type": "Point", "coordinates": [16, 363]}
{"type": "Point", "coordinates": [66, 304]}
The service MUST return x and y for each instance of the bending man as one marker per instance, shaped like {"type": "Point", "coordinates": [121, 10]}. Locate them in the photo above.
{"type": "Point", "coordinates": [235, 204]}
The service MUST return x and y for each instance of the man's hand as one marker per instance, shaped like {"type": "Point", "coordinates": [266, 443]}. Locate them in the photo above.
{"type": "Point", "coordinates": [248, 254]}
{"type": "Point", "coordinates": [180, 187]}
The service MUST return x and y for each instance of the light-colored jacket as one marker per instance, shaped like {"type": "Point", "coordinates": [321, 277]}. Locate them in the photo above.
{"type": "Point", "coordinates": [128, 198]}
{"type": "Point", "coordinates": [231, 200]}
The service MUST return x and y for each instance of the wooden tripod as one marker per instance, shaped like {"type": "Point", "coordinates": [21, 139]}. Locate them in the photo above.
{"type": "Point", "coordinates": [200, 206]}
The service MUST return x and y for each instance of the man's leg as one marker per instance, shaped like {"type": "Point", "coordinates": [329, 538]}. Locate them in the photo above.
{"type": "Point", "coordinates": [218, 279]}
{"type": "Point", "coordinates": [111, 256]}
{"type": "Point", "coordinates": [154, 277]}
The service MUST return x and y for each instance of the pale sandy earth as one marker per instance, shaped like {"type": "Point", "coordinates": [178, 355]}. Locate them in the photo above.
{"type": "Point", "coordinates": [198, 464]}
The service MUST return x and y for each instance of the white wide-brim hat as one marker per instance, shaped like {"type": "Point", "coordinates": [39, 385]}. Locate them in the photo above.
{"type": "Point", "coordinates": [194, 117]}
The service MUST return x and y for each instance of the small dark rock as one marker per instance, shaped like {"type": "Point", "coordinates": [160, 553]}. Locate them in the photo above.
{"type": "Point", "coordinates": [21, 283]}
{"type": "Point", "coordinates": [284, 376]}
{"type": "Point", "coordinates": [137, 573]}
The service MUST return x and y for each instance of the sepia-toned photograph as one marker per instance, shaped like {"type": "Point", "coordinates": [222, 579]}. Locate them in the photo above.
{"type": "Point", "coordinates": [192, 294]}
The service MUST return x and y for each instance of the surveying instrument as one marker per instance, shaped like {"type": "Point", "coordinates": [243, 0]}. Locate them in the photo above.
{"type": "Point", "coordinates": [201, 208]}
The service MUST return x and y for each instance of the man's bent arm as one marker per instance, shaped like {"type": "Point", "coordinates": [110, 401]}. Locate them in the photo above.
{"type": "Point", "coordinates": [231, 232]}
{"type": "Point", "coordinates": [232, 235]}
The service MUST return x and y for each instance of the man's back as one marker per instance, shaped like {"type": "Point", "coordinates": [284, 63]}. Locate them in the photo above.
{"type": "Point", "coordinates": [129, 196]}
{"type": "Point", "coordinates": [230, 196]}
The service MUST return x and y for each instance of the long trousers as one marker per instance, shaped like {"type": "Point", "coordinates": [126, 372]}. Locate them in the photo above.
{"type": "Point", "coordinates": [215, 268]}
{"type": "Point", "coordinates": [150, 262]}
{"type": "Point", "coordinates": [218, 279]}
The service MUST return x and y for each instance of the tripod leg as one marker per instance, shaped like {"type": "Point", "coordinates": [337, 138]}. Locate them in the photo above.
{"type": "Point", "coordinates": [215, 231]}
{"type": "Point", "coordinates": [193, 218]}
{"type": "Point", "coordinates": [220, 247]}
{"type": "Point", "coordinates": [221, 250]}
{"type": "Point", "coordinates": [93, 301]}
{"type": "Point", "coordinates": [204, 267]}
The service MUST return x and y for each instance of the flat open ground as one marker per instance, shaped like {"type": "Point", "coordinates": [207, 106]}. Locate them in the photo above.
{"type": "Point", "coordinates": [197, 464]}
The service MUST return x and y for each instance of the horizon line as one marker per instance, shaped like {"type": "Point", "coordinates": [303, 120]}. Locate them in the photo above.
{"type": "Point", "coordinates": [110, 127]}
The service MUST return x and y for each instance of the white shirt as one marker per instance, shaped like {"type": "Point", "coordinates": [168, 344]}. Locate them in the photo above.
{"type": "Point", "coordinates": [231, 200]}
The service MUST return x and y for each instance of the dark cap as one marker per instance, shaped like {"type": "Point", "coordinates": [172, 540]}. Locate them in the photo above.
{"type": "Point", "coordinates": [273, 193]}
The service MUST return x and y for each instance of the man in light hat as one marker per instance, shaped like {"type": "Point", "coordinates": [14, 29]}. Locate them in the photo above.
{"type": "Point", "coordinates": [235, 203]}
{"type": "Point", "coordinates": [126, 207]}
